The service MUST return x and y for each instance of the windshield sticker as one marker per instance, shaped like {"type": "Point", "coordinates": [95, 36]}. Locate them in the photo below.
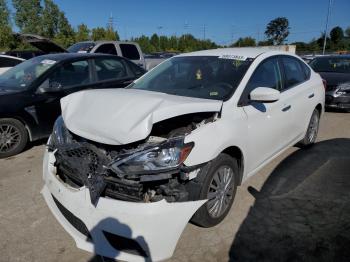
{"type": "Point", "coordinates": [48, 62]}
{"type": "Point", "coordinates": [236, 57]}
{"type": "Point", "coordinates": [214, 93]}
{"type": "Point", "coordinates": [82, 51]}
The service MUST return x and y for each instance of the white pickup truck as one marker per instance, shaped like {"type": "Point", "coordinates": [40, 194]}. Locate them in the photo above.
{"type": "Point", "coordinates": [129, 50]}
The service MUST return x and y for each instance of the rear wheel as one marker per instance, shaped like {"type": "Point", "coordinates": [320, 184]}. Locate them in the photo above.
{"type": "Point", "coordinates": [219, 185]}
{"type": "Point", "coordinates": [312, 130]}
{"type": "Point", "coordinates": [13, 137]}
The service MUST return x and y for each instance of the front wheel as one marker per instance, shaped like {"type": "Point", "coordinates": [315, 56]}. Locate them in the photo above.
{"type": "Point", "coordinates": [13, 137]}
{"type": "Point", "coordinates": [218, 184]}
{"type": "Point", "coordinates": [312, 129]}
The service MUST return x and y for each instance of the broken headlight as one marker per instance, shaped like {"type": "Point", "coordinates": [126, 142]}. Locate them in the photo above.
{"type": "Point", "coordinates": [60, 134]}
{"type": "Point", "coordinates": [160, 158]}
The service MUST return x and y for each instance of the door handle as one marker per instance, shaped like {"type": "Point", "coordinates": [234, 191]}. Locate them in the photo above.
{"type": "Point", "coordinates": [285, 109]}
{"type": "Point", "coordinates": [312, 95]}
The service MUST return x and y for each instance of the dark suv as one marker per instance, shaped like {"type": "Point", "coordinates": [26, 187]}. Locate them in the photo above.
{"type": "Point", "coordinates": [30, 92]}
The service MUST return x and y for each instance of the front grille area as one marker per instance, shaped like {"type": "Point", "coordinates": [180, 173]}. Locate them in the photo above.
{"type": "Point", "coordinates": [73, 220]}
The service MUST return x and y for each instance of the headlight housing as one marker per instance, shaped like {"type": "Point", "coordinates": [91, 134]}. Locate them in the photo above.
{"type": "Point", "coordinates": [60, 134]}
{"type": "Point", "coordinates": [160, 158]}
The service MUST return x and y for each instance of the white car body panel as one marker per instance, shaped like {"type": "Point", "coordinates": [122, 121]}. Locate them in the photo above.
{"type": "Point", "coordinates": [110, 116]}
{"type": "Point", "coordinates": [156, 227]}
{"type": "Point", "coordinates": [260, 132]}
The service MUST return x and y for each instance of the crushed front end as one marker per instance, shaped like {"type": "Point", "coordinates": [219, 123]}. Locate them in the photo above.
{"type": "Point", "coordinates": [129, 202]}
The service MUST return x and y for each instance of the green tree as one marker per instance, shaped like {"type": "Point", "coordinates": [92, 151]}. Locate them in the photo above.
{"type": "Point", "coordinates": [98, 33]}
{"type": "Point", "coordinates": [110, 34]}
{"type": "Point", "coordinates": [28, 16]}
{"type": "Point", "coordinates": [50, 19]}
{"type": "Point", "coordinates": [155, 41]}
{"type": "Point", "coordinates": [65, 35]}
{"type": "Point", "coordinates": [245, 41]}
{"type": "Point", "coordinates": [336, 34]}
{"type": "Point", "coordinates": [277, 30]}
{"type": "Point", "coordinates": [83, 33]}
{"type": "Point", "coordinates": [6, 38]}
{"type": "Point", "coordinates": [265, 42]}
{"type": "Point", "coordinates": [347, 31]}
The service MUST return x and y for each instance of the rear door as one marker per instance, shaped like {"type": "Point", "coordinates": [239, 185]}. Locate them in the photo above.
{"type": "Point", "coordinates": [112, 72]}
{"type": "Point", "coordinates": [301, 93]}
{"type": "Point", "coordinates": [269, 124]}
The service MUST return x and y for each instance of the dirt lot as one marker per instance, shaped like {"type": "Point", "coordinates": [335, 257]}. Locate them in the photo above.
{"type": "Point", "coordinates": [295, 209]}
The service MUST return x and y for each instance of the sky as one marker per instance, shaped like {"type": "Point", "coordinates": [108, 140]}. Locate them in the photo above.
{"type": "Point", "coordinates": [222, 21]}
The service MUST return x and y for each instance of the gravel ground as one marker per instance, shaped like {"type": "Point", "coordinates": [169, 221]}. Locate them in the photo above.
{"type": "Point", "coordinates": [296, 209]}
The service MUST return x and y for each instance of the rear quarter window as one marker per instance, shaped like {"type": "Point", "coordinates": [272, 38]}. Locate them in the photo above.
{"type": "Point", "coordinates": [130, 51]}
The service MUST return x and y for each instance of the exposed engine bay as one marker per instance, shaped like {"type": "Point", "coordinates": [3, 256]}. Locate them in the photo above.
{"type": "Point", "coordinates": [115, 171]}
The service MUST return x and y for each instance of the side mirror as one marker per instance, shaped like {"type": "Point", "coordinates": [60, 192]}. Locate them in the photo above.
{"type": "Point", "coordinates": [264, 95]}
{"type": "Point", "coordinates": [49, 87]}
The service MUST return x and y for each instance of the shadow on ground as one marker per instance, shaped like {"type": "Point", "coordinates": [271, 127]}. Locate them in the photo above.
{"type": "Point", "coordinates": [106, 242]}
{"type": "Point", "coordinates": [302, 212]}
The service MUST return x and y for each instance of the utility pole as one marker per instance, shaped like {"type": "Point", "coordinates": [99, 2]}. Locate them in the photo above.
{"type": "Point", "coordinates": [110, 22]}
{"type": "Point", "coordinates": [326, 29]}
{"type": "Point", "coordinates": [204, 29]}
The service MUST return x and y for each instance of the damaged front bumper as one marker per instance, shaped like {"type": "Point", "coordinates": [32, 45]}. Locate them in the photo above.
{"type": "Point", "coordinates": [114, 228]}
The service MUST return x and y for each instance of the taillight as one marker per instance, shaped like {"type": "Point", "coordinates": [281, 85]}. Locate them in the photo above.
{"type": "Point", "coordinates": [324, 84]}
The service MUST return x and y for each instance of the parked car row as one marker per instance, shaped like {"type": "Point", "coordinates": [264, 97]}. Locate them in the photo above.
{"type": "Point", "coordinates": [173, 146]}
{"type": "Point", "coordinates": [30, 92]}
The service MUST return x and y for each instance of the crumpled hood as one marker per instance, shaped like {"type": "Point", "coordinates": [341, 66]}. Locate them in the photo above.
{"type": "Point", "coordinates": [122, 116]}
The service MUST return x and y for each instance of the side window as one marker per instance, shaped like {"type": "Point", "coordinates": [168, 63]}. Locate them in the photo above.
{"type": "Point", "coordinates": [130, 51]}
{"type": "Point", "coordinates": [306, 69]}
{"type": "Point", "coordinates": [294, 73]}
{"type": "Point", "coordinates": [107, 49]}
{"type": "Point", "coordinates": [138, 71]}
{"type": "Point", "coordinates": [267, 74]}
{"type": "Point", "coordinates": [110, 68]}
{"type": "Point", "coordinates": [9, 62]}
{"type": "Point", "coordinates": [70, 74]}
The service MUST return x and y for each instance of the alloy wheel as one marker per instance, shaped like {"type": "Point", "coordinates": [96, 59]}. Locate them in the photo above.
{"type": "Point", "coordinates": [9, 137]}
{"type": "Point", "coordinates": [220, 191]}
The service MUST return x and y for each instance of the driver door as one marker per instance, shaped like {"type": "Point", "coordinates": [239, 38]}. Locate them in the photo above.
{"type": "Point", "coordinates": [68, 78]}
{"type": "Point", "coordinates": [268, 123]}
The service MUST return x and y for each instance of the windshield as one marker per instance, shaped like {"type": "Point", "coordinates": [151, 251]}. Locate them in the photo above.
{"type": "Point", "coordinates": [81, 47]}
{"type": "Point", "coordinates": [208, 77]}
{"type": "Point", "coordinates": [21, 76]}
{"type": "Point", "coordinates": [331, 64]}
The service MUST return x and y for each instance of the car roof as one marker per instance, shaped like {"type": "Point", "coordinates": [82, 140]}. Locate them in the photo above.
{"type": "Point", "coordinates": [334, 56]}
{"type": "Point", "coordinates": [66, 56]}
{"type": "Point", "coordinates": [106, 42]}
{"type": "Point", "coordinates": [241, 52]}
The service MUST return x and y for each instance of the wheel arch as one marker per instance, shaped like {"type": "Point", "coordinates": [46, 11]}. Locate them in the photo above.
{"type": "Point", "coordinates": [319, 108]}
{"type": "Point", "coordinates": [26, 125]}
{"type": "Point", "coordinates": [236, 152]}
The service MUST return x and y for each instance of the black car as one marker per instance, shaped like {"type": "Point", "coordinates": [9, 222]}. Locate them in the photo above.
{"type": "Point", "coordinates": [30, 92]}
{"type": "Point", "coordinates": [336, 71]}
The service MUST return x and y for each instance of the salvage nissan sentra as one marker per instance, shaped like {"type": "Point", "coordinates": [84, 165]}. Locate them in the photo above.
{"type": "Point", "coordinates": [126, 169]}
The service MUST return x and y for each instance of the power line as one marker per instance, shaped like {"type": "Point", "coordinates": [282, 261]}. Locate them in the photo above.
{"type": "Point", "coordinates": [326, 29]}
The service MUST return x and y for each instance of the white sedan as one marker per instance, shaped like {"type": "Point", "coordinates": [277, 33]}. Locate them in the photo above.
{"type": "Point", "coordinates": [126, 169]}
{"type": "Point", "coordinates": [6, 62]}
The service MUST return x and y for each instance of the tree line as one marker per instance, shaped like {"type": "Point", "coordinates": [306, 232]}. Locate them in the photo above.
{"type": "Point", "coordinates": [44, 17]}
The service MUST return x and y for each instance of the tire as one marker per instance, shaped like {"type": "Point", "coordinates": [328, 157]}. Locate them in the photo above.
{"type": "Point", "coordinates": [13, 137]}
{"type": "Point", "coordinates": [312, 130]}
{"type": "Point", "coordinates": [222, 167]}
